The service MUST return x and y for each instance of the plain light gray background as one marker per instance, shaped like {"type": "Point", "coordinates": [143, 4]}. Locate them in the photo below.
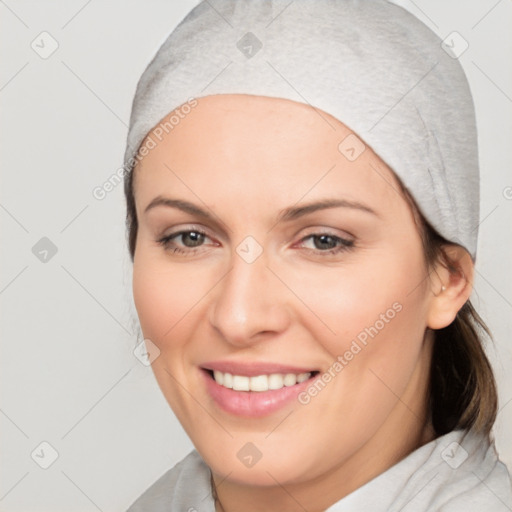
{"type": "Point", "coordinates": [68, 373]}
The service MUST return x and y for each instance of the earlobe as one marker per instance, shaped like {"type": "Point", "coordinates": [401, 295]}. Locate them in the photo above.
{"type": "Point", "coordinates": [451, 287]}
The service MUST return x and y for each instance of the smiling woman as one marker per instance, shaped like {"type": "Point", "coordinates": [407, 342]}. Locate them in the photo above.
{"type": "Point", "coordinates": [286, 248]}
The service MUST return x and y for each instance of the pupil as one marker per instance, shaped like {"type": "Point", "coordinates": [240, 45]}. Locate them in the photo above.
{"type": "Point", "coordinates": [192, 239]}
{"type": "Point", "coordinates": [324, 242]}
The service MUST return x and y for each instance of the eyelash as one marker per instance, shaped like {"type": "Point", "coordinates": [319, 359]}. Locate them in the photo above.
{"type": "Point", "coordinates": [167, 241]}
{"type": "Point", "coordinates": [344, 244]}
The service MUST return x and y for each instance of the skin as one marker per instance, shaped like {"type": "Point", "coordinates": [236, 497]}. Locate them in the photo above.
{"type": "Point", "coordinates": [245, 159]}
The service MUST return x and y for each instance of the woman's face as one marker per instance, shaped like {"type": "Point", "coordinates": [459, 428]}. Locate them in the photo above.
{"type": "Point", "coordinates": [268, 245]}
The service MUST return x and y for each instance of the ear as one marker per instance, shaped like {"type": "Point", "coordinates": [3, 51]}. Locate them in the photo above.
{"type": "Point", "coordinates": [451, 286]}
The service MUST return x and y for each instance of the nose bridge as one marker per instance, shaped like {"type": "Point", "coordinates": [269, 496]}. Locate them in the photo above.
{"type": "Point", "coordinates": [248, 302]}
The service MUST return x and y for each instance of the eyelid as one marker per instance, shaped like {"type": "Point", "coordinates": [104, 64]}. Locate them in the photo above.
{"type": "Point", "coordinates": [186, 228]}
{"type": "Point", "coordinates": [345, 242]}
{"type": "Point", "coordinates": [170, 215]}
{"type": "Point", "coordinates": [169, 243]}
{"type": "Point", "coordinates": [324, 230]}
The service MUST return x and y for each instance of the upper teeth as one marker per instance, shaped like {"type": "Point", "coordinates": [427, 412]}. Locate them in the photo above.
{"type": "Point", "coordinates": [260, 382]}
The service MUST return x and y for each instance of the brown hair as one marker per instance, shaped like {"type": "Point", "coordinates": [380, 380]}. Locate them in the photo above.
{"type": "Point", "coordinates": [462, 393]}
{"type": "Point", "coordinates": [132, 223]}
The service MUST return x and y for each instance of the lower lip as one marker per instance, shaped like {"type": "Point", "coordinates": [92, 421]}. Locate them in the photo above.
{"type": "Point", "coordinates": [253, 404]}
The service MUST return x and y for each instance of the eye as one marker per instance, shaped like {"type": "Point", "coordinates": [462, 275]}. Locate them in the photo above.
{"type": "Point", "coordinates": [325, 242]}
{"type": "Point", "coordinates": [185, 241]}
{"type": "Point", "coordinates": [192, 238]}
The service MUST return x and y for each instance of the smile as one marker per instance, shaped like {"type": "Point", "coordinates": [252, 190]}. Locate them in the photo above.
{"type": "Point", "coordinates": [259, 383]}
{"type": "Point", "coordinates": [256, 395]}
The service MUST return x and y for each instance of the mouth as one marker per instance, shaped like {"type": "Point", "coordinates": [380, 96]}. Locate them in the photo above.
{"type": "Point", "coordinates": [259, 383]}
{"type": "Point", "coordinates": [256, 395]}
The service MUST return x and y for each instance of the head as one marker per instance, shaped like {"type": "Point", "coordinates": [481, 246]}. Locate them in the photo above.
{"type": "Point", "coordinates": [341, 275]}
{"type": "Point", "coordinates": [310, 211]}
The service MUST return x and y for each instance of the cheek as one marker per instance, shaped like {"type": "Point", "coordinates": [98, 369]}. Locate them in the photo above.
{"type": "Point", "coordinates": [372, 316]}
{"type": "Point", "coordinates": [165, 296]}
{"type": "Point", "coordinates": [378, 322]}
{"type": "Point", "coordinates": [347, 299]}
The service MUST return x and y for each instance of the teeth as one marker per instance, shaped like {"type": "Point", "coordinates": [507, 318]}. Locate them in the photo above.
{"type": "Point", "coordinates": [227, 380]}
{"type": "Point", "coordinates": [240, 383]}
{"type": "Point", "coordinates": [275, 381]}
{"type": "Point", "coordinates": [218, 376]}
{"type": "Point", "coordinates": [259, 382]}
{"type": "Point", "coordinates": [290, 379]}
{"type": "Point", "coordinates": [302, 377]}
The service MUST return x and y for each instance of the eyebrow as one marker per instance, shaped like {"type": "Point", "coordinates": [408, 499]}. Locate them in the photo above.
{"type": "Point", "coordinates": [295, 212]}
{"type": "Point", "coordinates": [285, 215]}
{"type": "Point", "coordinates": [179, 204]}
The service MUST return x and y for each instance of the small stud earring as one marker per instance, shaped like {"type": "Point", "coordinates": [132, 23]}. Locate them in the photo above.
{"type": "Point", "coordinates": [443, 288]}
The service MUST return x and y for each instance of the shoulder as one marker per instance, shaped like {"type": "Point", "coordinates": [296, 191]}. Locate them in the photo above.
{"type": "Point", "coordinates": [185, 487]}
{"type": "Point", "coordinates": [472, 476]}
{"type": "Point", "coordinates": [461, 472]}
{"type": "Point", "coordinates": [457, 472]}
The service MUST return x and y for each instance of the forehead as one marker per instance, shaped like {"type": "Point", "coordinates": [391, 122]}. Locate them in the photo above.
{"type": "Point", "coordinates": [261, 148]}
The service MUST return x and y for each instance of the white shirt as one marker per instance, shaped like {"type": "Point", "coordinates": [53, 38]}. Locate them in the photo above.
{"type": "Point", "coordinates": [457, 472]}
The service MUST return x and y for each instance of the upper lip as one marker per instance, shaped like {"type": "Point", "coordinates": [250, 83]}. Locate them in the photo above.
{"type": "Point", "coordinates": [253, 368]}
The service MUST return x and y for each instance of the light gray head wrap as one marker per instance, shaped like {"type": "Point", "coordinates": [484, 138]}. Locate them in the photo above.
{"type": "Point", "coordinates": [368, 63]}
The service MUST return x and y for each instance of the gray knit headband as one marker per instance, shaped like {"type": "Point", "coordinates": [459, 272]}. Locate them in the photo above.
{"type": "Point", "coordinates": [368, 63]}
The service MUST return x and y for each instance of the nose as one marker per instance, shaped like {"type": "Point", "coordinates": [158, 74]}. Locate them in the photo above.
{"type": "Point", "coordinates": [249, 304]}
